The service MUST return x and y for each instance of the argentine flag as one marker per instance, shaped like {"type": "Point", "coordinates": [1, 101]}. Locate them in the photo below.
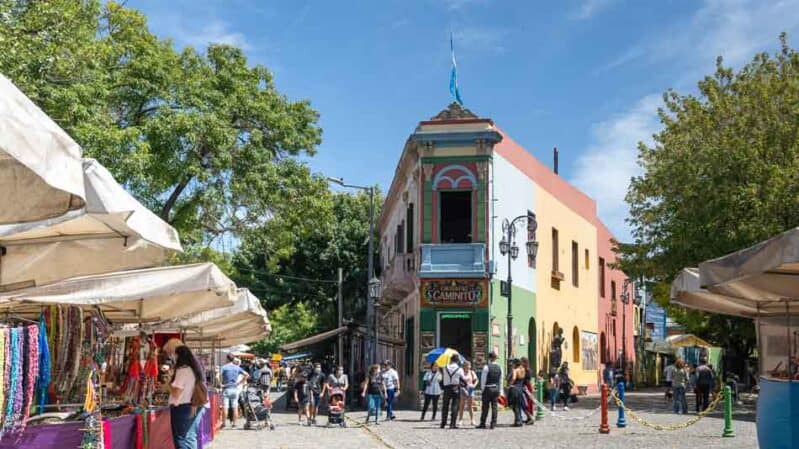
{"type": "Point", "coordinates": [453, 78]}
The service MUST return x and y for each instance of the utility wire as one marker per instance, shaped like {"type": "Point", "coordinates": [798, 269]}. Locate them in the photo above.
{"type": "Point", "coordinates": [285, 276]}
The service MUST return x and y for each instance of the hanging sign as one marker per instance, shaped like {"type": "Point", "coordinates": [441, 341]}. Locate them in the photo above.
{"type": "Point", "coordinates": [454, 292]}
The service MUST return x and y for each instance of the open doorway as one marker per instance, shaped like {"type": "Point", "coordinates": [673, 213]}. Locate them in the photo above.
{"type": "Point", "coordinates": [456, 216]}
{"type": "Point", "coordinates": [455, 331]}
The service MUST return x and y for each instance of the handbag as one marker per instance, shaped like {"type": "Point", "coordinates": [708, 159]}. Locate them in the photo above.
{"type": "Point", "coordinates": [199, 396]}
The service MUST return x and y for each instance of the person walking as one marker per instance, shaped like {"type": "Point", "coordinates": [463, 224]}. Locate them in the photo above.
{"type": "Point", "coordinates": [432, 389]}
{"type": "Point", "coordinates": [668, 375]}
{"type": "Point", "coordinates": [392, 383]}
{"type": "Point", "coordinates": [233, 377]}
{"type": "Point", "coordinates": [265, 376]}
{"type": "Point", "coordinates": [565, 383]}
{"type": "Point", "coordinates": [451, 377]}
{"type": "Point", "coordinates": [374, 390]}
{"type": "Point", "coordinates": [316, 382]}
{"type": "Point", "coordinates": [705, 380]}
{"type": "Point", "coordinates": [528, 408]}
{"type": "Point", "coordinates": [338, 379]}
{"type": "Point", "coordinates": [468, 386]}
{"type": "Point", "coordinates": [186, 401]}
{"type": "Point", "coordinates": [491, 380]}
{"type": "Point", "coordinates": [679, 380]}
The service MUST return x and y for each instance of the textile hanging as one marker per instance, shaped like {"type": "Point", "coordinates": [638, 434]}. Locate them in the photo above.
{"type": "Point", "coordinates": [13, 381]}
{"type": "Point", "coordinates": [43, 381]}
{"type": "Point", "coordinates": [107, 441]}
{"type": "Point", "coordinates": [31, 373]}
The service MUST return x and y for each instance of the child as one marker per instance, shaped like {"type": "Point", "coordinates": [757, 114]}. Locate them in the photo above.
{"type": "Point", "coordinates": [336, 405]}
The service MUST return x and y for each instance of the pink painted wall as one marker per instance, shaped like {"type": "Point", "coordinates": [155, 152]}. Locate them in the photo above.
{"type": "Point", "coordinates": [607, 323]}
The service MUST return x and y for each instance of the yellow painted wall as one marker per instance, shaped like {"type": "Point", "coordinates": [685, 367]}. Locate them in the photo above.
{"type": "Point", "coordinates": [570, 306]}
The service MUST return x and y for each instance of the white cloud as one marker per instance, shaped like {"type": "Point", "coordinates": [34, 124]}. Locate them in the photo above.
{"type": "Point", "coordinates": [589, 8]}
{"type": "Point", "coordinates": [214, 31]}
{"type": "Point", "coordinates": [734, 29]}
{"type": "Point", "coordinates": [604, 170]}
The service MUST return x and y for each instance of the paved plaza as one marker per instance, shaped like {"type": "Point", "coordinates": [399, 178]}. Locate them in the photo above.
{"type": "Point", "coordinates": [551, 432]}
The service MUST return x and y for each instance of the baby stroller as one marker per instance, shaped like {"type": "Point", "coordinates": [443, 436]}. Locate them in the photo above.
{"type": "Point", "coordinates": [335, 408]}
{"type": "Point", "coordinates": [257, 411]}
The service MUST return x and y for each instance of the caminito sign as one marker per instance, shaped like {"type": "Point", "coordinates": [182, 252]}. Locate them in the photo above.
{"type": "Point", "coordinates": [452, 292]}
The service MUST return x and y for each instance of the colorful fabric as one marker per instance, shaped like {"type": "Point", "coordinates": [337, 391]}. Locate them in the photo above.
{"type": "Point", "coordinates": [67, 435]}
{"type": "Point", "coordinates": [43, 380]}
{"type": "Point", "coordinates": [107, 440]}
{"type": "Point", "coordinates": [31, 373]}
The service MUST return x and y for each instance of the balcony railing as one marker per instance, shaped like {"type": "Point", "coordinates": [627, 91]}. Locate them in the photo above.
{"type": "Point", "coordinates": [453, 260]}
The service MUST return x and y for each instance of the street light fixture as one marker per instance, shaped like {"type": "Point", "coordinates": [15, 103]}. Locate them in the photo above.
{"type": "Point", "coordinates": [509, 248]}
{"type": "Point", "coordinates": [371, 312]}
{"type": "Point", "coordinates": [625, 300]}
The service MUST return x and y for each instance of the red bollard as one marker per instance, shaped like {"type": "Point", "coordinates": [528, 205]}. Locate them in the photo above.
{"type": "Point", "coordinates": [603, 426]}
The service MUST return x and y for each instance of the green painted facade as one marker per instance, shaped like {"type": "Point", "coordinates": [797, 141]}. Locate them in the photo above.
{"type": "Point", "coordinates": [524, 307]}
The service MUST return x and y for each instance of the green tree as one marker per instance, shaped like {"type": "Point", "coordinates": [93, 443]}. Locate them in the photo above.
{"type": "Point", "coordinates": [721, 175]}
{"type": "Point", "coordinates": [289, 323]}
{"type": "Point", "coordinates": [204, 139]}
{"type": "Point", "coordinates": [332, 236]}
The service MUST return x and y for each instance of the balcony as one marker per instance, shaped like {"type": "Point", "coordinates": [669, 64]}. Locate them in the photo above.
{"type": "Point", "coordinates": [453, 260]}
{"type": "Point", "coordinates": [398, 277]}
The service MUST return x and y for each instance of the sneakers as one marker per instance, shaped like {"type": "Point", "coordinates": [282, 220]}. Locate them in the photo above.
{"type": "Point", "coordinates": [565, 408]}
{"type": "Point", "coordinates": [481, 426]}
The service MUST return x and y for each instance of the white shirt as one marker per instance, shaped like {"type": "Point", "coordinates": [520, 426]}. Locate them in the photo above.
{"type": "Point", "coordinates": [484, 376]}
{"type": "Point", "coordinates": [452, 374]}
{"type": "Point", "coordinates": [669, 372]}
{"type": "Point", "coordinates": [184, 379]}
{"type": "Point", "coordinates": [391, 379]}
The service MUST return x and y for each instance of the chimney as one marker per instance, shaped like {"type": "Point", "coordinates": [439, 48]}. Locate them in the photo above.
{"type": "Point", "coordinates": [555, 155]}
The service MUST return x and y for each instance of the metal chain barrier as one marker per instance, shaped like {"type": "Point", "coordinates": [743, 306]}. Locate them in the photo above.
{"type": "Point", "coordinates": [711, 407]}
{"type": "Point", "coordinates": [564, 417]}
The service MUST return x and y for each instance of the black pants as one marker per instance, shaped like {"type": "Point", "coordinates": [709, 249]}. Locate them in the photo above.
{"type": "Point", "coordinates": [490, 397]}
{"type": "Point", "coordinates": [702, 397]}
{"type": "Point", "coordinates": [451, 402]}
{"type": "Point", "coordinates": [427, 399]}
{"type": "Point", "coordinates": [565, 394]}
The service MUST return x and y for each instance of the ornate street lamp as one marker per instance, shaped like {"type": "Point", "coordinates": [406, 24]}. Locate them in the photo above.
{"type": "Point", "coordinates": [509, 248]}
{"type": "Point", "coordinates": [375, 292]}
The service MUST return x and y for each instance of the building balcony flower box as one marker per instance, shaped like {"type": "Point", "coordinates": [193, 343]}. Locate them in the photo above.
{"type": "Point", "coordinates": [453, 260]}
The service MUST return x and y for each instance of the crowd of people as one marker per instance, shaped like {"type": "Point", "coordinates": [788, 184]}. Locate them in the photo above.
{"type": "Point", "coordinates": [681, 377]}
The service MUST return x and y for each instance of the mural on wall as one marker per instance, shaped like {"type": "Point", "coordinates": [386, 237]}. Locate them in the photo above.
{"type": "Point", "coordinates": [590, 350]}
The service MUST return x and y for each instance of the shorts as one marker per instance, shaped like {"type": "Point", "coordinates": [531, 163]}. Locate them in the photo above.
{"type": "Point", "coordinates": [230, 398]}
{"type": "Point", "coordinates": [316, 398]}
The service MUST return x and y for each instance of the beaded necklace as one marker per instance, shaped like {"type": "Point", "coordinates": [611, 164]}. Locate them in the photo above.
{"type": "Point", "coordinates": [32, 373]}
{"type": "Point", "coordinates": [3, 336]}
{"type": "Point", "coordinates": [14, 375]}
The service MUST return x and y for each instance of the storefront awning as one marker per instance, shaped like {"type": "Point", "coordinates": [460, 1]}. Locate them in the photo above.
{"type": "Point", "coordinates": [40, 165]}
{"type": "Point", "coordinates": [318, 338]}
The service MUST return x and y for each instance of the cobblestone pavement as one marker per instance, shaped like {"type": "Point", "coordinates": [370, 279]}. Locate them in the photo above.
{"type": "Point", "coordinates": [408, 432]}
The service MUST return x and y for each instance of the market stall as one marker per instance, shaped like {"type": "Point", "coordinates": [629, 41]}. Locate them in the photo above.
{"type": "Point", "coordinates": [113, 232]}
{"type": "Point", "coordinates": [762, 283]}
{"type": "Point", "coordinates": [40, 165]}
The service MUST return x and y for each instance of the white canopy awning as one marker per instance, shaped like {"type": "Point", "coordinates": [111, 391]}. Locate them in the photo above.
{"type": "Point", "coordinates": [154, 294]}
{"type": "Point", "coordinates": [112, 232]}
{"type": "Point", "coordinates": [764, 276]}
{"type": "Point", "coordinates": [40, 165]}
{"type": "Point", "coordinates": [686, 291]}
{"type": "Point", "coordinates": [243, 322]}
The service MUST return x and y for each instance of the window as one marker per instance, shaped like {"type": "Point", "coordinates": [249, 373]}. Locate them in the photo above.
{"type": "Point", "coordinates": [575, 264]}
{"type": "Point", "coordinates": [601, 277]}
{"type": "Point", "coordinates": [555, 251]}
{"type": "Point", "coordinates": [409, 229]}
{"type": "Point", "coordinates": [587, 260]}
{"type": "Point", "coordinates": [613, 290]}
{"type": "Point", "coordinates": [576, 345]}
{"type": "Point", "coordinates": [456, 216]}
{"type": "Point", "coordinates": [399, 239]}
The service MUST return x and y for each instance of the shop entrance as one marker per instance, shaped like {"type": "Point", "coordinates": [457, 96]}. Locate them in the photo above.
{"type": "Point", "coordinates": [455, 331]}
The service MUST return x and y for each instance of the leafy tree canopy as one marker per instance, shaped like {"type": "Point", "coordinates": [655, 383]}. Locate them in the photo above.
{"type": "Point", "coordinates": [202, 138]}
{"type": "Point", "coordinates": [721, 176]}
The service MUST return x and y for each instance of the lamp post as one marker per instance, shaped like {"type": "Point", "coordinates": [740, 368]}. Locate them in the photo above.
{"type": "Point", "coordinates": [371, 312]}
{"type": "Point", "coordinates": [625, 300]}
{"type": "Point", "coordinates": [509, 248]}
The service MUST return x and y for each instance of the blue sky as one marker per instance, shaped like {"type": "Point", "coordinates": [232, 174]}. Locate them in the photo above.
{"type": "Point", "coordinates": [583, 75]}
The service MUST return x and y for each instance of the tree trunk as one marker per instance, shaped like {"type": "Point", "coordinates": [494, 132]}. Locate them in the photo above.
{"type": "Point", "coordinates": [173, 198]}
